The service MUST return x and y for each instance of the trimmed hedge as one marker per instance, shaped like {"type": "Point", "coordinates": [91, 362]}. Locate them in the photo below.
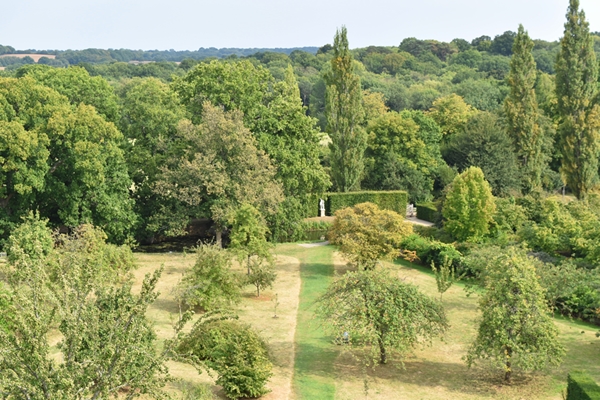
{"type": "Point", "coordinates": [395, 200]}
{"type": "Point", "coordinates": [427, 211]}
{"type": "Point", "coordinates": [581, 387]}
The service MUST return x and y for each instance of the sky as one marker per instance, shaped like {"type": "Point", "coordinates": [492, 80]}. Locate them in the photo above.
{"type": "Point", "coordinates": [191, 24]}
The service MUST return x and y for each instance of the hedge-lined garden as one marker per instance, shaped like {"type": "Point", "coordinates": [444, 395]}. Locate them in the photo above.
{"type": "Point", "coordinates": [582, 387]}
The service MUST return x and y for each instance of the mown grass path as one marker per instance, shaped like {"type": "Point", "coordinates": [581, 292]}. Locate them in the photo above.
{"type": "Point", "coordinates": [313, 368]}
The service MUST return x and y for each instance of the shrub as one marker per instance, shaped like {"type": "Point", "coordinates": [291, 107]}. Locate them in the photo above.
{"type": "Point", "coordinates": [367, 234]}
{"type": "Point", "coordinates": [581, 387]}
{"type": "Point", "coordinates": [509, 216]}
{"type": "Point", "coordinates": [430, 251]}
{"type": "Point", "coordinates": [394, 200]}
{"type": "Point", "coordinates": [427, 212]}
{"type": "Point", "coordinates": [234, 350]}
{"type": "Point", "coordinates": [210, 283]}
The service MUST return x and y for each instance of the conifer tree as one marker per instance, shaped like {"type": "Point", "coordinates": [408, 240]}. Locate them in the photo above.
{"type": "Point", "coordinates": [576, 87]}
{"type": "Point", "coordinates": [522, 111]}
{"type": "Point", "coordinates": [344, 118]}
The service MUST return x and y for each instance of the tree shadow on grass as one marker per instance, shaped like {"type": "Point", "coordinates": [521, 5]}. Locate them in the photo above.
{"type": "Point", "coordinates": [453, 377]}
{"type": "Point", "coordinates": [316, 270]}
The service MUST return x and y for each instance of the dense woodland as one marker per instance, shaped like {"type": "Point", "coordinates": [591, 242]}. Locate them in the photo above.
{"type": "Point", "coordinates": [498, 138]}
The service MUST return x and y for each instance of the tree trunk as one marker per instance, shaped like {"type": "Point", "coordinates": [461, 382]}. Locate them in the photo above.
{"type": "Point", "coordinates": [219, 237]}
{"type": "Point", "coordinates": [257, 290]}
{"type": "Point", "coordinates": [382, 353]}
{"type": "Point", "coordinates": [248, 264]}
{"type": "Point", "coordinates": [507, 375]}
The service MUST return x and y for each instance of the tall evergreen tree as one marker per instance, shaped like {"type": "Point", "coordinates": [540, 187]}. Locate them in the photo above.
{"type": "Point", "coordinates": [344, 117]}
{"type": "Point", "coordinates": [522, 111]}
{"type": "Point", "coordinates": [576, 87]}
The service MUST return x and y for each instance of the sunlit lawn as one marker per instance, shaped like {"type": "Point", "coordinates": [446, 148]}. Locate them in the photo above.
{"type": "Point", "coordinates": [323, 371]}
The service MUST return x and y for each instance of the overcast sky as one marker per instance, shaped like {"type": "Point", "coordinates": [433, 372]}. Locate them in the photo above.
{"type": "Point", "coordinates": [191, 24]}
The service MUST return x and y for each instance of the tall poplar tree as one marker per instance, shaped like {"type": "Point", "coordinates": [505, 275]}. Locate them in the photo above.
{"type": "Point", "coordinates": [522, 111]}
{"type": "Point", "coordinates": [576, 87]}
{"type": "Point", "coordinates": [344, 117]}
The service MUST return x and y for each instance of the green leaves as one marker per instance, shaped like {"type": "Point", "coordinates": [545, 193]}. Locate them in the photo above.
{"type": "Point", "coordinates": [378, 310]}
{"type": "Point", "coordinates": [210, 283]}
{"type": "Point", "coordinates": [469, 206]}
{"type": "Point", "coordinates": [234, 350]}
{"type": "Point", "coordinates": [576, 89]}
{"type": "Point", "coordinates": [521, 109]}
{"type": "Point", "coordinates": [344, 118]}
{"type": "Point", "coordinates": [367, 234]}
{"type": "Point", "coordinates": [82, 290]}
{"type": "Point", "coordinates": [516, 328]}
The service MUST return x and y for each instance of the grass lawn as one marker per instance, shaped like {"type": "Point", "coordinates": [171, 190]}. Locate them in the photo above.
{"type": "Point", "coordinates": [313, 373]}
{"type": "Point", "coordinates": [309, 366]}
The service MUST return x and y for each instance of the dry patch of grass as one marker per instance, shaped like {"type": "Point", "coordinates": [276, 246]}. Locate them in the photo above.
{"type": "Point", "coordinates": [258, 312]}
{"type": "Point", "coordinates": [438, 372]}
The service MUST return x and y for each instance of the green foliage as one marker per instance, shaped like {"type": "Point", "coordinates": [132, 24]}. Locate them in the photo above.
{"type": "Point", "coordinates": [32, 239]}
{"type": "Point", "coordinates": [261, 273]}
{"type": "Point", "coordinates": [380, 311]}
{"type": "Point", "coordinates": [367, 234]}
{"type": "Point", "coordinates": [432, 251]}
{"type": "Point", "coordinates": [516, 329]}
{"type": "Point", "coordinates": [451, 113]}
{"type": "Point", "coordinates": [522, 112]}
{"type": "Point", "coordinates": [427, 212]}
{"type": "Point", "coordinates": [469, 206]}
{"type": "Point", "coordinates": [576, 90]}
{"type": "Point", "coordinates": [485, 144]}
{"type": "Point", "coordinates": [403, 153]}
{"type": "Point", "coordinates": [444, 276]}
{"type": "Point", "coordinates": [272, 111]}
{"type": "Point", "coordinates": [210, 283]}
{"type": "Point", "coordinates": [150, 113]}
{"type": "Point", "coordinates": [393, 200]}
{"type": "Point", "coordinates": [78, 86]}
{"type": "Point", "coordinates": [248, 235]}
{"type": "Point", "coordinates": [235, 351]}
{"type": "Point", "coordinates": [580, 386]}
{"type": "Point", "coordinates": [220, 169]}
{"type": "Point", "coordinates": [80, 289]}
{"type": "Point", "coordinates": [568, 230]}
{"type": "Point", "coordinates": [344, 117]}
{"type": "Point", "coordinates": [509, 216]}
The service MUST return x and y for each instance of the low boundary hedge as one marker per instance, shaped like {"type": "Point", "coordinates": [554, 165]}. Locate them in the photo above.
{"type": "Point", "coordinates": [427, 212]}
{"type": "Point", "coordinates": [581, 387]}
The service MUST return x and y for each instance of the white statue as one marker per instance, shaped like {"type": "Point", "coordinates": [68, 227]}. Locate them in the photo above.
{"type": "Point", "coordinates": [322, 207]}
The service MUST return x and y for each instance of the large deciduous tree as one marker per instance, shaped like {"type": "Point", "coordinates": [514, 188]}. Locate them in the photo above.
{"type": "Point", "coordinates": [344, 117]}
{"type": "Point", "coordinates": [219, 169]}
{"type": "Point", "coordinates": [374, 308]}
{"type": "Point", "coordinates": [485, 144]}
{"type": "Point", "coordinates": [78, 86]}
{"type": "Point", "coordinates": [469, 206]}
{"type": "Point", "coordinates": [403, 152]}
{"type": "Point", "coordinates": [576, 90]}
{"type": "Point", "coordinates": [85, 178]}
{"type": "Point", "coordinates": [521, 109]}
{"type": "Point", "coordinates": [516, 328]}
{"type": "Point", "coordinates": [272, 111]}
{"type": "Point", "coordinates": [451, 113]}
{"type": "Point", "coordinates": [151, 112]}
